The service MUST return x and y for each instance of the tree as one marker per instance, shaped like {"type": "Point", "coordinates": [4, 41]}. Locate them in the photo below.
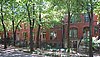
{"type": "Point", "coordinates": [90, 29]}
{"type": "Point", "coordinates": [47, 18]}
{"type": "Point", "coordinates": [96, 7]}
{"type": "Point", "coordinates": [31, 22]}
{"type": "Point", "coordinates": [15, 13]}
{"type": "Point", "coordinates": [13, 19]}
{"type": "Point", "coordinates": [89, 8]}
{"type": "Point", "coordinates": [4, 28]}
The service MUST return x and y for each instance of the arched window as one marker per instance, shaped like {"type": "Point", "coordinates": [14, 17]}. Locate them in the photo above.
{"type": "Point", "coordinates": [73, 33]}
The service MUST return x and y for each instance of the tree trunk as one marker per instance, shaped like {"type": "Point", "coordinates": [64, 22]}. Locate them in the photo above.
{"type": "Point", "coordinates": [90, 30]}
{"type": "Point", "coordinates": [2, 20]}
{"type": "Point", "coordinates": [63, 35]}
{"type": "Point", "coordinates": [31, 27]}
{"type": "Point", "coordinates": [68, 30]}
{"type": "Point", "coordinates": [5, 36]}
{"type": "Point", "coordinates": [37, 39]}
{"type": "Point", "coordinates": [38, 32]}
{"type": "Point", "coordinates": [31, 39]}
{"type": "Point", "coordinates": [14, 34]}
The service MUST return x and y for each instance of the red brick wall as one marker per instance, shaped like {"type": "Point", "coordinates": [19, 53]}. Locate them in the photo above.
{"type": "Point", "coordinates": [58, 29]}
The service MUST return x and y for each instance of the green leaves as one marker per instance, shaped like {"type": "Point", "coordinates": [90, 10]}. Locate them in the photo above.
{"type": "Point", "coordinates": [52, 11]}
{"type": "Point", "coordinates": [97, 10]}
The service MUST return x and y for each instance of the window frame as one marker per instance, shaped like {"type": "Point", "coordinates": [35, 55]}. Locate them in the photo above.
{"type": "Point", "coordinates": [72, 33]}
{"type": "Point", "coordinates": [86, 17]}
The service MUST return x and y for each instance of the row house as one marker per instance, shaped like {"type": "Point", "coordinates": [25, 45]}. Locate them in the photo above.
{"type": "Point", "coordinates": [79, 26]}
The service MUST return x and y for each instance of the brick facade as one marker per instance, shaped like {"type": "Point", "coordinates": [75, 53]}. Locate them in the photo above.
{"type": "Point", "coordinates": [57, 41]}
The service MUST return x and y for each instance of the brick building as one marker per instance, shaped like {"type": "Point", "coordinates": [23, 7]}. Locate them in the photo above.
{"type": "Point", "coordinates": [78, 27]}
{"type": "Point", "coordinates": [53, 36]}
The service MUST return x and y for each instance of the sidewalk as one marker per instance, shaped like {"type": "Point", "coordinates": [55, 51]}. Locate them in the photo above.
{"type": "Point", "coordinates": [38, 52]}
{"type": "Point", "coordinates": [13, 52]}
{"type": "Point", "coordinates": [1, 46]}
{"type": "Point", "coordinates": [12, 47]}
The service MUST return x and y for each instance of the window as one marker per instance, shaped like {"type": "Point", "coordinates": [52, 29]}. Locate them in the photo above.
{"type": "Point", "coordinates": [73, 33]}
{"type": "Point", "coordinates": [44, 34]}
{"type": "Point", "coordinates": [25, 35]}
{"type": "Point", "coordinates": [72, 20]}
{"type": "Point", "coordinates": [86, 17]}
{"type": "Point", "coordinates": [95, 29]}
{"type": "Point", "coordinates": [53, 35]}
{"type": "Point", "coordinates": [75, 19]}
{"type": "Point", "coordinates": [86, 32]}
